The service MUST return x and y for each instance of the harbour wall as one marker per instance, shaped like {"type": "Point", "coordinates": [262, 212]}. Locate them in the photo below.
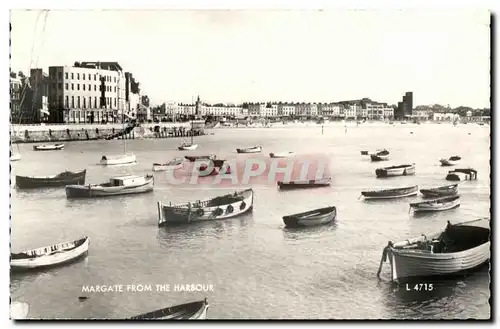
{"type": "Point", "coordinates": [82, 132]}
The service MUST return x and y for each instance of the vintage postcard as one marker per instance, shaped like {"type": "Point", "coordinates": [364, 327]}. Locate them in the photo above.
{"type": "Point", "coordinates": [250, 164]}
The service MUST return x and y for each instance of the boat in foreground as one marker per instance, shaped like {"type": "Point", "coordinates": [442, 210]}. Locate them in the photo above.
{"type": "Point", "coordinates": [56, 254]}
{"type": "Point", "coordinates": [116, 186]}
{"type": "Point", "coordinates": [401, 170]}
{"type": "Point", "coordinates": [462, 174]}
{"type": "Point", "coordinates": [451, 161]}
{"type": "Point", "coordinates": [171, 165]}
{"type": "Point", "coordinates": [48, 147]}
{"type": "Point", "coordinates": [281, 154]}
{"type": "Point", "coordinates": [222, 207]}
{"type": "Point", "coordinates": [298, 184]}
{"type": "Point", "coordinates": [119, 159]}
{"type": "Point", "coordinates": [381, 155]}
{"type": "Point", "coordinates": [189, 311]}
{"type": "Point", "coordinates": [441, 191]}
{"type": "Point", "coordinates": [62, 179]}
{"type": "Point", "coordinates": [255, 149]}
{"type": "Point", "coordinates": [440, 204]}
{"type": "Point", "coordinates": [311, 218]}
{"type": "Point", "coordinates": [391, 193]}
{"type": "Point", "coordinates": [455, 250]}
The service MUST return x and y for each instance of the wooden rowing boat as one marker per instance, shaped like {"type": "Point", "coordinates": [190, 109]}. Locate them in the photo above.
{"type": "Point", "coordinates": [171, 165]}
{"type": "Point", "coordinates": [56, 254]}
{"type": "Point", "coordinates": [315, 217]}
{"type": "Point", "coordinates": [441, 191]}
{"type": "Point", "coordinates": [401, 170]}
{"type": "Point", "coordinates": [281, 154]}
{"type": "Point", "coordinates": [381, 155]}
{"type": "Point", "coordinates": [116, 186]}
{"type": "Point", "coordinates": [391, 193]}
{"type": "Point", "coordinates": [299, 184]}
{"type": "Point", "coordinates": [189, 311]}
{"type": "Point", "coordinates": [457, 249]}
{"type": "Point", "coordinates": [62, 179]}
{"type": "Point", "coordinates": [48, 147]}
{"type": "Point", "coordinates": [188, 147]}
{"type": "Point", "coordinates": [194, 158]}
{"type": "Point", "coordinates": [222, 207]}
{"type": "Point", "coordinates": [440, 204]}
{"type": "Point", "coordinates": [254, 149]}
{"type": "Point", "coordinates": [462, 174]}
{"type": "Point", "coordinates": [118, 159]}
{"type": "Point", "coordinates": [451, 161]}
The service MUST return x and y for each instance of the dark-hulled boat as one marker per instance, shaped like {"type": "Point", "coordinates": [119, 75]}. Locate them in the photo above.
{"type": "Point", "coordinates": [62, 179]}
{"type": "Point", "coordinates": [299, 184]}
{"type": "Point", "coordinates": [391, 193]}
{"type": "Point", "coordinates": [222, 207]}
{"type": "Point", "coordinates": [194, 158]}
{"type": "Point", "coordinates": [462, 174]}
{"type": "Point", "coordinates": [123, 185]}
{"type": "Point", "coordinates": [401, 170]}
{"type": "Point", "coordinates": [457, 249]}
{"type": "Point", "coordinates": [56, 254]}
{"type": "Point", "coordinates": [213, 167]}
{"type": "Point", "coordinates": [189, 311]}
{"type": "Point", "coordinates": [382, 155]}
{"type": "Point", "coordinates": [451, 161]}
{"type": "Point", "coordinates": [441, 191]}
{"type": "Point", "coordinates": [254, 149]}
{"type": "Point", "coordinates": [444, 203]}
{"type": "Point", "coordinates": [315, 217]}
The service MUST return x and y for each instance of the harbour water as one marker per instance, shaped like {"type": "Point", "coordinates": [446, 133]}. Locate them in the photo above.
{"type": "Point", "coordinates": [258, 269]}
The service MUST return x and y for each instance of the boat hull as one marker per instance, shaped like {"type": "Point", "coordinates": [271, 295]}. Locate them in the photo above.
{"type": "Point", "coordinates": [304, 184]}
{"type": "Point", "coordinates": [440, 192]}
{"type": "Point", "coordinates": [96, 191]}
{"type": "Point", "coordinates": [188, 311]}
{"type": "Point", "coordinates": [183, 215]}
{"type": "Point", "coordinates": [118, 160]}
{"type": "Point", "coordinates": [297, 221]}
{"type": "Point", "coordinates": [448, 163]}
{"type": "Point", "coordinates": [15, 157]}
{"type": "Point", "coordinates": [250, 150]}
{"type": "Point", "coordinates": [390, 193]}
{"type": "Point", "coordinates": [391, 172]}
{"type": "Point", "coordinates": [431, 207]}
{"type": "Point", "coordinates": [376, 158]}
{"type": "Point", "coordinates": [23, 182]}
{"type": "Point", "coordinates": [56, 147]}
{"type": "Point", "coordinates": [50, 260]}
{"type": "Point", "coordinates": [188, 147]}
{"type": "Point", "coordinates": [159, 167]}
{"type": "Point", "coordinates": [280, 155]}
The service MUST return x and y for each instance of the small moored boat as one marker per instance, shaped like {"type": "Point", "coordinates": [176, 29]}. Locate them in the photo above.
{"type": "Point", "coordinates": [440, 204]}
{"type": "Point", "coordinates": [462, 174]}
{"type": "Point", "coordinates": [255, 149]}
{"type": "Point", "coordinates": [56, 254]}
{"type": "Point", "coordinates": [189, 311]}
{"type": "Point", "coordinates": [364, 153]}
{"type": "Point", "coordinates": [188, 147]}
{"type": "Point", "coordinates": [298, 184]}
{"type": "Point", "coordinates": [194, 158]}
{"type": "Point", "coordinates": [62, 179]}
{"type": "Point", "coordinates": [15, 157]}
{"type": "Point", "coordinates": [382, 155]}
{"type": "Point", "coordinates": [281, 154]}
{"type": "Point", "coordinates": [451, 161]}
{"type": "Point", "coordinates": [171, 165]}
{"type": "Point", "coordinates": [391, 193]}
{"type": "Point", "coordinates": [455, 250]}
{"type": "Point", "coordinates": [311, 218]}
{"type": "Point", "coordinates": [116, 186]}
{"type": "Point", "coordinates": [222, 207]}
{"type": "Point", "coordinates": [48, 147]}
{"type": "Point", "coordinates": [215, 166]}
{"type": "Point", "coordinates": [441, 191]}
{"type": "Point", "coordinates": [120, 159]}
{"type": "Point", "coordinates": [401, 170]}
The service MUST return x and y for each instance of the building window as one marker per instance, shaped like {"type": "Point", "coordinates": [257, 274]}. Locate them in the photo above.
{"type": "Point", "coordinates": [83, 76]}
{"type": "Point", "coordinates": [90, 77]}
{"type": "Point", "coordinates": [72, 87]}
{"type": "Point", "coordinates": [95, 88]}
{"type": "Point", "coordinates": [84, 104]}
{"type": "Point", "coordinates": [78, 101]}
{"type": "Point", "coordinates": [83, 87]}
{"type": "Point", "coordinates": [66, 75]}
{"type": "Point", "coordinates": [90, 102]}
{"type": "Point", "coordinates": [72, 76]}
{"type": "Point", "coordinates": [66, 87]}
{"type": "Point", "coordinates": [78, 76]}
{"type": "Point", "coordinates": [115, 102]}
{"type": "Point", "coordinates": [90, 87]}
{"type": "Point", "coordinates": [95, 77]}
{"type": "Point", "coordinates": [59, 86]}
{"type": "Point", "coordinates": [59, 75]}
{"type": "Point", "coordinates": [95, 103]}
{"type": "Point", "coordinates": [72, 101]}
{"type": "Point", "coordinates": [77, 86]}
{"type": "Point", "coordinates": [115, 89]}
{"type": "Point", "coordinates": [66, 105]}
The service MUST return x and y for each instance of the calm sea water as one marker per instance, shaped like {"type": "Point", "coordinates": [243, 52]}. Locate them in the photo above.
{"type": "Point", "coordinates": [258, 269]}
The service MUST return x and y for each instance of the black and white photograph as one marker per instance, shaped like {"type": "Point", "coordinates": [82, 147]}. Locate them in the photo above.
{"type": "Point", "coordinates": [250, 164]}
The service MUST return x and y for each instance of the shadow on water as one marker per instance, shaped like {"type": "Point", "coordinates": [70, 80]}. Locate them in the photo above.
{"type": "Point", "coordinates": [295, 234]}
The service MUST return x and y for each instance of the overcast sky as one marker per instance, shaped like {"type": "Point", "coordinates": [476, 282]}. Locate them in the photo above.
{"type": "Point", "coordinates": [235, 56]}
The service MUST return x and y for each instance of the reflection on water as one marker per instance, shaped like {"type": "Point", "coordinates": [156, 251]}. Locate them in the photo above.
{"type": "Point", "coordinates": [295, 234]}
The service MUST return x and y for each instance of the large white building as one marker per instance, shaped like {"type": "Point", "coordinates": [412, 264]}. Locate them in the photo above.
{"type": "Point", "coordinates": [92, 92]}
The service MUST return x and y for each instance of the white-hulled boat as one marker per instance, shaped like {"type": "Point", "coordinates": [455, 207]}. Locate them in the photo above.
{"type": "Point", "coordinates": [189, 311]}
{"type": "Point", "coordinates": [172, 165]}
{"type": "Point", "coordinates": [462, 174]}
{"type": "Point", "coordinates": [50, 255]}
{"type": "Point", "coordinates": [19, 310]}
{"type": "Point", "coordinates": [440, 204]}
{"type": "Point", "coordinates": [457, 249]}
{"type": "Point", "coordinates": [299, 184]}
{"type": "Point", "coordinates": [281, 154]}
{"type": "Point", "coordinates": [451, 161]}
{"type": "Point", "coordinates": [119, 159]}
{"type": "Point", "coordinates": [401, 170]}
{"type": "Point", "coordinates": [15, 157]}
{"type": "Point", "coordinates": [48, 147]}
{"type": "Point", "coordinates": [255, 149]}
{"type": "Point", "coordinates": [380, 155]}
{"type": "Point", "coordinates": [116, 186]}
{"type": "Point", "coordinates": [222, 207]}
{"type": "Point", "coordinates": [391, 193]}
{"type": "Point", "coordinates": [188, 147]}
{"type": "Point", "coordinates": [441, 191]}
{"type": "Point", "coordinates": [315, 217]}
